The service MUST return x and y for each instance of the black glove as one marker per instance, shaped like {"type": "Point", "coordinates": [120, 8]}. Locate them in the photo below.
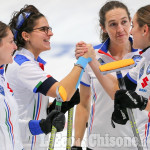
{"type": "Point", "coordinates": [55, 118]}
{"type": "Point", "coordinates": [119, 116]}
{"type": "Point", "coordinates": [66, 105]}
{"type": "Point", "coordinates": [130, 99]}
{"type": "Point", "coordinates": [76, 148]}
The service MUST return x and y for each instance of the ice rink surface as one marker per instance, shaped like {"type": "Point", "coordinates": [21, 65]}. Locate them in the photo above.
{"type": "Point", "coordinates": [72, 21]}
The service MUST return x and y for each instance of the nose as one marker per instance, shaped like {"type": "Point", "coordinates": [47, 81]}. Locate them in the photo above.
{"type": "Point", "coordinates": [15, 46]}
{"type": "Point", "coordinates": [119, 28]}
{"type": "Point", "coordinates": [50, 33]}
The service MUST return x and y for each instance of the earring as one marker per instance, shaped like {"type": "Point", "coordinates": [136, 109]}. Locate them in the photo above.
{"type": "Point", "coordinates": [143, 34]}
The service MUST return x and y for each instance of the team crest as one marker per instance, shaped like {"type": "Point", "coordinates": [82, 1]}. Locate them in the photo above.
{"type": "Point", "coordinates": [141, 71]}
{"type": "Point", "coordinates": [2, 90]}
{"type": "Point", "coordinates": [101, 61]}
{"type": "Point", "coordinates": [148, 70]}
{"type": "Point", "coordinates": [136, 58]}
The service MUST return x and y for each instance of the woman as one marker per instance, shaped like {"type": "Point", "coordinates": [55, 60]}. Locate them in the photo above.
{"type": "Point", "coordinates": [116, 45]}
{"type": "Point", "coordinates": [9, 133]}
{"type": "Point", "coordinates": [31, 85]}
{"type": "Point", "coordinates": [139, 76]}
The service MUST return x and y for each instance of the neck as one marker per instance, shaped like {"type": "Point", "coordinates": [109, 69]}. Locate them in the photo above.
{"type": "Point", "coordinates": [1, 64]}
{"type": "Point", "coordinates": [146, 45]}
{"type": "Point", "coordinates": [118, 51]}
{"type": "Point", "coordinates": [36, 53]}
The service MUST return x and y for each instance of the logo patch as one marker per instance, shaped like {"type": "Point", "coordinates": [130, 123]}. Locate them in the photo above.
{"type": "Point", "coordinates": [144, 83]}
{"type": "Point", "coordinates": [136, 58]}
{"type": "Point", "coordinates": [148, 70]}
{"type": "Point", "coordinates": [2, 90]}
{"type": "Point", "coordinates": [101, 61]}
{"type": "Point", "coordinates": [141, 72]}
{"type": "Point", "coordinates": [142, 90]}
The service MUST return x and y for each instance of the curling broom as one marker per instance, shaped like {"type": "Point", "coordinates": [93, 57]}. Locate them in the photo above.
{"type": "Point", "coordinates": [69, 128]}
{"type": "Point", "coordinates": [117, 66]}
{"type": "Point", "coordinates": [61, 97]}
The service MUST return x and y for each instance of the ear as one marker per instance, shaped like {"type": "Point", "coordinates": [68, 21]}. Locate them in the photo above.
{"type": "Point", "coordinates": [103, 28]}
{"type": "Point", "coordinates": [25, 36]}
{"type": "Point", "coordinates": [146, 30]}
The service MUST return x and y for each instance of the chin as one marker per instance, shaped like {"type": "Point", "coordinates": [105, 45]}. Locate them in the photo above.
{"type": "Point", "coordinates": [123, 40]}
{"type": "Point", "coordinates": [10, 62]}
{"type": "Point", "coordinates": [47, 48]}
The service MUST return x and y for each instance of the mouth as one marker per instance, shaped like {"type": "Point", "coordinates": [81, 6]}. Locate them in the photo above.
{"type": "Point", "coordinates": [121, 35]}
{"type": "Point", "coordinates": [47, 40]}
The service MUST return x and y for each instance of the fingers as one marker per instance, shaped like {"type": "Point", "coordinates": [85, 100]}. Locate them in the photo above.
{"type": "Point", "coordinates": [85, 50]}
{"type": "Point", "coordinates": [81, 43]}
{"type": "Point", "coordinates": [59, 122]}
{"type": "Point", "coordinates": [81, 49]}
{"type": "Point", "coordinates": [91, 51]}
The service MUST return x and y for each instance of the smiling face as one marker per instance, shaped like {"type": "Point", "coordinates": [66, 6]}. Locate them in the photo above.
{"type": "Point", "coordinates": [38, 40]}
{"type": "Point", "coordinates": [117, 25]}
{"type": "Point", "coordinates": [7, 47]}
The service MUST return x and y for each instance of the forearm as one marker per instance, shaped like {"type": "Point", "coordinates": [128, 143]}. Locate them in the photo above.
{"type": "Point", "coordinates": [109, 82]}
{"type": "Point", "coordinates": [81, 118]}
{"type": "Point", "coordinates": [70, 81]}
{"type": "Point", "coordinates": [82, 114]}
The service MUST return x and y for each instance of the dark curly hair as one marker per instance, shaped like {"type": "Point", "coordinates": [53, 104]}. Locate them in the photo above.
{"type": "Point", "coordinates": [28, 24]}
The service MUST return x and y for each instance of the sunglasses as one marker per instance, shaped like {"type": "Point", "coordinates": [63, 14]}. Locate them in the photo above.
{"type": "Point", "coordinates": [43, 29]}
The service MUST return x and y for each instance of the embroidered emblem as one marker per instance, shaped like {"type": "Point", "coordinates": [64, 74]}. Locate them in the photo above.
{"type": "Point", "coordinates": [148, 70]}
{"type": "Point", "coordinates": [136, 58]}
{"type": "Point", "coordinates": [141, 72]}
{"type": "Point", "coordinates": [101, 61]}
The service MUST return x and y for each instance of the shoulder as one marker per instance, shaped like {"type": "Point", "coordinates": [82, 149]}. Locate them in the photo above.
{"type": "Point", "coordinates": [98, 46]}
{"type": "Point", "coordinates": [20, 59]}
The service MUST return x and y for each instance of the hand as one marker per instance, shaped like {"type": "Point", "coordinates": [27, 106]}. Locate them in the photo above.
{"type": "Point", "coordinates": [130, 99]}
{"type": "Point", "coordinates": [81, 49]}
{"type": "Point", "coordinates": [66, 105]}
{"type": "Point", "coordinates": [91, 52]}
{"type": "Point", "coordinates": [76, 148]}
{"type": "Point", "coordinates": [59, 121]}
{"type": "Point", "coordinates": [120, 116]}
{"type": "Point", "coordinates": [55, 118]}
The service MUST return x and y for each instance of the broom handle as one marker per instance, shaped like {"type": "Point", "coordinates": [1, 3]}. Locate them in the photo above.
{"type": "Point", "coordinates": [130, 113]}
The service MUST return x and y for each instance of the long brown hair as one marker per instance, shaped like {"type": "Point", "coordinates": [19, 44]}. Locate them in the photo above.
{"type": "Point", "coordinates": [102, 15]}
{"type": "Point", "coordinates": [143, 16]}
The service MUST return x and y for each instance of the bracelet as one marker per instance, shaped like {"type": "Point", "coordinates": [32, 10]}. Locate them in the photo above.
{"type": "Point", "coordinates": [78, 65]}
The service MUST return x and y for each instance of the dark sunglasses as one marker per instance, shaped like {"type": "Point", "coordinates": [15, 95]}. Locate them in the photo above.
{"type": "Point", "coordinates": [43, 29]}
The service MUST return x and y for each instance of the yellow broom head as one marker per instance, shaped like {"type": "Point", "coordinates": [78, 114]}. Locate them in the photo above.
{"type": "Point", "coordinates": [117, 65]}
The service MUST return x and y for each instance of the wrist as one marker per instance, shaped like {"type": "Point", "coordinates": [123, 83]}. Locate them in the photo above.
{"type": "Point", "coordinates": [34, 127]}
{"type": "Point", "coordinates": [82, 62]}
